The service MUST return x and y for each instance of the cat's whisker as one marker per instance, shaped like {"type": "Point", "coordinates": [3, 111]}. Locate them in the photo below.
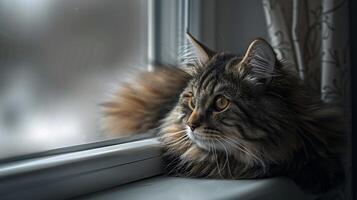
{"type": "Point", "coordinates": [257, 158]}
{"type": "Point", "coordinates": [237, 146]}
{"type": "Point", "coordinates": [187, 142]}
{"type": "Point", "coordinates": [243, 149]}
{"type": "Point", "coordinates": [177, 140]}
{"type": "Point", "coordinates": [175, 133]}
{"type": "Point", "coordinates": [226, 153]}
{"type": "Point", "coordinates": [229, 165]}
{"type": "Point", "coordinates": [216, 159]}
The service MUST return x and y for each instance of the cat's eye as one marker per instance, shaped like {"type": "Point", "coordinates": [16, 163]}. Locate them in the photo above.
{"type": "Point", "coordinates": [192, 103]}
{"type": "Point", "coordinates": [221, 103]}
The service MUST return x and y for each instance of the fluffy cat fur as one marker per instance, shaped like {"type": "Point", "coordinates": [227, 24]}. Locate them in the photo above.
{"type": "Point", "coordinates": [273, 126]}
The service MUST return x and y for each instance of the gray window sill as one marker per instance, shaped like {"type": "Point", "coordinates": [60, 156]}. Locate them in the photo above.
{"type": "Point", "coordinates": [69, 175]}
{"type": "Point", "coordinates": [126, 168]}
{"type": "Point", "coordinates": [175, 188]}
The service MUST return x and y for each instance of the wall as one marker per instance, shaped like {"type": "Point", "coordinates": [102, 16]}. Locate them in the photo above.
{"type": "Point", "coordinates": [231, 24]}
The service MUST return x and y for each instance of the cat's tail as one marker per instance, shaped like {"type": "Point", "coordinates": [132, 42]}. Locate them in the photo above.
{"type": "Point", "coordinates": [139, 105]}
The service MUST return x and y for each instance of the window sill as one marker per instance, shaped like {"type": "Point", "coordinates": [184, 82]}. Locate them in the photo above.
{"type": "Point", "coordinates": [77, 173]}
{"type": "Point", "coordinates": [89, 173]}
{"type": "Point", "coordinates": [175, 188]}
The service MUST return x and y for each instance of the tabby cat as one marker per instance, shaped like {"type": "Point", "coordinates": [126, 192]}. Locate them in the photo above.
{"type": "Point", "coordinates": [231, 117]}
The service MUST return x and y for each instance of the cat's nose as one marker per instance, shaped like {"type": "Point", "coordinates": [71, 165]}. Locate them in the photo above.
{"type": "Point", "coordinates": [192, 126]}
{"type": "Point", "coordinates": [194, 120]}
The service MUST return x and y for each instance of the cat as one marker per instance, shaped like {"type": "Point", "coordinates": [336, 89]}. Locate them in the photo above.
{"type": "Point", "coordinates": [231, 117]}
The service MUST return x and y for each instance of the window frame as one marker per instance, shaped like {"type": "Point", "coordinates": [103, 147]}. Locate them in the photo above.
{"type": "Point", "coordinates": [167, 31]}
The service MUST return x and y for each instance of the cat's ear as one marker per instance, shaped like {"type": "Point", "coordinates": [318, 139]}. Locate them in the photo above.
{"type": "Point", "coordinates": [202, 52]}
{"type": "Point", "coordinates": [261, 60]}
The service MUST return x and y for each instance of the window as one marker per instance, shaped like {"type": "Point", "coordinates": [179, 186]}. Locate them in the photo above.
{"type": "Point", "coordinates": [58, 61]}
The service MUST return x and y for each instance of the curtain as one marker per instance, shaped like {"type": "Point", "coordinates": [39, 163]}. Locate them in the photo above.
{"type": "Point", "coordinates": [312, 35]}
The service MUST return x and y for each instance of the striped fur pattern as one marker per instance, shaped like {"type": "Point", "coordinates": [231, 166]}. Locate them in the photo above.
{"type": "Point", "coordinates": [272, 126]}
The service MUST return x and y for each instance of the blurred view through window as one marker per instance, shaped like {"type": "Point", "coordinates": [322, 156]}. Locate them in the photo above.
{"type": "Point", "coordinates": [58, 61]}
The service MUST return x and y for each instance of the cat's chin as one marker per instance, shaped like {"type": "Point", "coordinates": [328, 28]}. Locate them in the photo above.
{"type": "Point", "coordinates": [202, 143]}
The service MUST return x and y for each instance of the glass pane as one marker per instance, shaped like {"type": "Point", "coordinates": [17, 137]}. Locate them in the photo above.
{"type": "Point", "coordinates": [58, 61]}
